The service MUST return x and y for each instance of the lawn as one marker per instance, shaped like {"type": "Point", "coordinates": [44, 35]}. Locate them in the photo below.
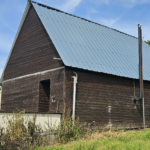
{"type": "Point", "coordinates": [121, 140]}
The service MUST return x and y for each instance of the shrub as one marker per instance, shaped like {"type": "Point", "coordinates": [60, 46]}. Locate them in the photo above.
{"type": "Point", "coordinates": [66, 131]}
{"type": "Point", "coordinates": [19, 132]}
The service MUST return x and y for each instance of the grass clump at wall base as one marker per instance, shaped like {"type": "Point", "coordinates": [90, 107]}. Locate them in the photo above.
{"type": "Point", "coordinates": [67, 131]}
{"type": "Point", "coordinates": [129, 140]}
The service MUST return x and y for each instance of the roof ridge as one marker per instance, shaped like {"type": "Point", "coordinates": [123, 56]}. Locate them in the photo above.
{"type": "Point", "coordinates": [49, 7]}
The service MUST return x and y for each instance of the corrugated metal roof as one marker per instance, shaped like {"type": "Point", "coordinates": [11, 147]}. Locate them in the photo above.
{"type": "Point", "coordinates": [90, 46]}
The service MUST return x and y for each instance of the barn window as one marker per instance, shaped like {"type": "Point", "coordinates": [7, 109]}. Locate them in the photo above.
{"type": "Point", "coordinates": [44, 95]}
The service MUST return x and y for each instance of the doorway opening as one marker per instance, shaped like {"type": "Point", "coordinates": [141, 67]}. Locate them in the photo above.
{"type": "Point", "coordinates": [44, 95]}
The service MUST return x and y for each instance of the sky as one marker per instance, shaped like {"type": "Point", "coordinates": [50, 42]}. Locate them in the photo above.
{"type": "Point", "coordinates": [123, 15]}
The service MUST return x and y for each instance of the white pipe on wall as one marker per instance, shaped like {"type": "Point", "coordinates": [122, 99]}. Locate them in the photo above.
{"type": "Point", "coordinates": [74, 96]}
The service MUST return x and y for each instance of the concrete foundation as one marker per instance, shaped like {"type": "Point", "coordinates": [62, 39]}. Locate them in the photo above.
{"type": "Point", "coordinates": [44, 121]}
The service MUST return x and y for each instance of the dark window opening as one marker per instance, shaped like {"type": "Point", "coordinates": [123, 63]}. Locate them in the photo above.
{"type": "Point", "coordinates": [44, 96]}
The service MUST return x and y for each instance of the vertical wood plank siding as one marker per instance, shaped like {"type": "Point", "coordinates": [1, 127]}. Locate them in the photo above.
{"type": "Point", "coordinates": [33, 50]}
{"type": "Point", "coordinates": [24, 93]}
{"type": "Point", "coordinates": [107, 99]}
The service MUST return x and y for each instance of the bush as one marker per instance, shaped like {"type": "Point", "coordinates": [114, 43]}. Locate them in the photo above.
{"type": "Point", "coordinates": [67, 131]}
{"type": "Point", "coordinates": [19, 132]}
{"type": "Point", "coordinates": [23, 133]}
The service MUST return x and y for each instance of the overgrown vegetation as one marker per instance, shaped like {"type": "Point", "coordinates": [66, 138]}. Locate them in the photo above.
{"type": "Point", "coordinates": [120, 140]}
{"type": "Point", "coordinates": [23, 133]}
{"type": "Point", "coordinates": [20, 135]}
{"type": "Point", "coordinates": [69, 132]}
{"type": "Point", "coordinates": [19, 132]}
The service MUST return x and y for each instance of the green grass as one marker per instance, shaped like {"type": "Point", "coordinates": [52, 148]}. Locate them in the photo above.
{"type": "Point", "coordinates": [130, 140]}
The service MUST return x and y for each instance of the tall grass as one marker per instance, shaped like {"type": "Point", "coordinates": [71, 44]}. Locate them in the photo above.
{"type": "Point", "coordinates": [23, 133]}
{"type": "Point", "coordinates": [20, 129]}
{"type": "Point", "coordinates": [18, 133]}
{"type": "Point", "coordinates": [67, 131]}
{"type": "Point", "coordinates": [129, 140]}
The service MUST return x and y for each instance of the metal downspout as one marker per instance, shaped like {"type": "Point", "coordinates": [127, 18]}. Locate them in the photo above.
{"type": "Point", "coordinates": [74, 96]}
{"type": "Point", "coordinates": [141, 71]}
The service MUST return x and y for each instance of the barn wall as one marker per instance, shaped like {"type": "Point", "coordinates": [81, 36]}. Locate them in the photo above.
{"type": "Point", "coordinates": [107, 99]}
{"type": "Point", "coordinates": [33, 50]}
{"type": "Point", "coordinates": [23, 93]}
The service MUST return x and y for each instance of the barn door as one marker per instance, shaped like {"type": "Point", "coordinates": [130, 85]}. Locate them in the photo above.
{"type": "Point", "coordinates": [44, 95]}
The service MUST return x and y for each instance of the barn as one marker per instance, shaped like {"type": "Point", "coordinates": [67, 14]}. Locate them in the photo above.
{"type": "Point", "coordinates": [57, 58]}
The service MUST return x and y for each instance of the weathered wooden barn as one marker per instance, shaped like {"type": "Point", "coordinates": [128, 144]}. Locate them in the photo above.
{"type": "Point", "coordinates": [51, 47]}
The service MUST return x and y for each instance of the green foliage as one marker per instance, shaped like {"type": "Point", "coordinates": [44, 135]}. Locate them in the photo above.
{"type": "Point", "coordinates": [19, 129]}
{"type": "Point", "coordinates": [147, 42]}
{"type": "Point", "coordinates": [19, 126]}
{"type": "Point", "coordinates": [67, 131]}
{"type": "Point", "coordinates": [129, 140]}
{"type": "Point", "coordinates": [0, 88]}
{"type": "Point", "coordinates": [16, 127]}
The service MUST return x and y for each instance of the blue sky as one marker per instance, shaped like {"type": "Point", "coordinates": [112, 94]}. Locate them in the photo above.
{"type": "Point", "coordinates": [123, 15]}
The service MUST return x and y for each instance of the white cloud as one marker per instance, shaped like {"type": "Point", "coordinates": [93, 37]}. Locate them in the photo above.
{"type": "Point", "coordinates": [132, 29]}
{"type": "Point", "coordinates": [98, 2]}
{"type": "Point", "coordinates": [125, 3]}
{"type": "Point", "coordinates": [65, 5]}
{"type": "Point", "coordinates": [109, 22]}
{"type": "Point", "coordinates": [70, 5]}
{"type": "Point", "coordinates": [131, 3]}
{"type": "Point", "coordinates": [90, 13]}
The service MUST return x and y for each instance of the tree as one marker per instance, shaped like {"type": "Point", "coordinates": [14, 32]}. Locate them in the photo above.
{"type": "Point", "coordinates": [147, 42]}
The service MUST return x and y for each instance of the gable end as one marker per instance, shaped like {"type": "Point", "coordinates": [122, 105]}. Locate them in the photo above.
{"type": "Point", "coordinates": [33, 50]}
